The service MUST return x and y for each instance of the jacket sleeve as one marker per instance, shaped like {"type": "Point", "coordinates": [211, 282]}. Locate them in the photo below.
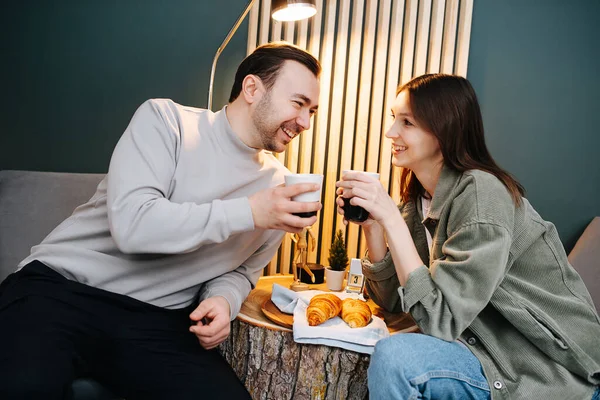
{"type": "Point", "coordinates": [236, 285]}
{"type": "Point", "coordinates": [382, 283]}
{"type": "Point", "coordinates": [141, 217]}
{"type": "Point", "coordinates": [445, 298]}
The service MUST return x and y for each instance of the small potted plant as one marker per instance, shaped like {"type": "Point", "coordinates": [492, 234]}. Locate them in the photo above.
{"type": "Point", "coordinates": [338, 261]}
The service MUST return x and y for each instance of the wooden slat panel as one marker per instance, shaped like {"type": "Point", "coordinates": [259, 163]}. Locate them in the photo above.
{"type": "Point", "coordinates": [276, 31]}
{"type": "Point", "coordinates": [408, 44]}
{"type": "Point", "coordinates": [393, 70]}
{"type": "Point", "coordinates": [305, 139]}
{"type": "Point", "coordinates": [423, 19]}
{"type": "Point", "coordinates": [377, 96]}
{"type": "Point", "coordinates": [253, 27]}
{"type": "Point", "coordinates": [291, 153]}
{"type": "Point", "coordinates": [406, 66]}
{"type": "Point", "coordinates": [316, 35]}
{"type": "Point", "coordinates": [366, 48]}
{"type": "Point", "coordinates": [349, 150]}
{"type": "Point", "coordinates": [335, 128]}
{"type": "Point", "coordinates": [464, 37]}
{"type": "Point", "coordinates": [265, 21]}
{"type": "Point", "coordinates": [311, 137]}
{"type": "Point", "coordinates": [449, 43]}
{"type": "Point", "coordinates": [436, 36]}
{"type": "Point", "coordinates": [322, 124]}
{"type": "Point", "coordinates": [362, 112]}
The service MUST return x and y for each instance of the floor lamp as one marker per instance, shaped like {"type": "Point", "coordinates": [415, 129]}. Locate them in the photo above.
{"type": "Point", "coordinates": [281, 10]}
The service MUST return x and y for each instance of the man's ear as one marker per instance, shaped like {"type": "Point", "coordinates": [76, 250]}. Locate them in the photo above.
{"type": "Point", "coordinates": [252, 88]}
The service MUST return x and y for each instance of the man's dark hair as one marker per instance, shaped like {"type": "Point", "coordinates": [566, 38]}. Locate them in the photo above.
{"type": "Point", "coordinates": [266, 61]}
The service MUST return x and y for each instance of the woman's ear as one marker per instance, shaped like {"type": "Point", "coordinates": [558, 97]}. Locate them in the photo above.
{"type": "Point", "coordinates": [252, 88]}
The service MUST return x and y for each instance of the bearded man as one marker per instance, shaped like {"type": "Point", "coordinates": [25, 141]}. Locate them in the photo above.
{"type": "Point", "coordinates": [139, 285]}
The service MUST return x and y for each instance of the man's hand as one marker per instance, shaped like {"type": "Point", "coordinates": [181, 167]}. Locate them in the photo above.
{"type": "Point", "coordinates": [212, 321]}
{"type": "Point", "coordinates": [273, 208]}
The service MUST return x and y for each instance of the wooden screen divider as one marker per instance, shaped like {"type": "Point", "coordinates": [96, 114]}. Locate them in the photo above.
{"type": "Point", "coordinates": [366, 49]}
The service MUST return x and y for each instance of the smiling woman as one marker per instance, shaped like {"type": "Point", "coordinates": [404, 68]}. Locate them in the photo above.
{"type": "Point", "coordinates": [486, 279]}
{"type": "Point", "coordinates": [414, 147]}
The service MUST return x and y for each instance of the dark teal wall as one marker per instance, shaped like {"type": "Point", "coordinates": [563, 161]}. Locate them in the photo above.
{"type": "Point", "coordinates": [74, 71]}
{"type": "Point", "coordinates": [535, 65]}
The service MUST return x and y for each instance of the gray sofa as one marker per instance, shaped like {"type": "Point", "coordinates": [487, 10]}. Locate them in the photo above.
{"type": "Point", "coordinates": [33, 203]}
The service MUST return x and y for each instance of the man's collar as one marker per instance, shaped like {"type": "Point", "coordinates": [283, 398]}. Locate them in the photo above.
{"type": "Point", "coordinates": [229, 137]}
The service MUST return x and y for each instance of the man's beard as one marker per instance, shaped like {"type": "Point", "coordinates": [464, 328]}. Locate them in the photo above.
{"type": "Point", "coordinates": [267, 129]}
{"type": "Point", "coordinates": [263, 125]}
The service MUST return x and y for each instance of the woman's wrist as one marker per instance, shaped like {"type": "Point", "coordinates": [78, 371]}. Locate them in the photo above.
{"type": "Point", "coordinates": [375, 239]}
{"type": "Point", "coordinates": [392, 223]}
{"type": "Point", "coordinates": [401, 246]}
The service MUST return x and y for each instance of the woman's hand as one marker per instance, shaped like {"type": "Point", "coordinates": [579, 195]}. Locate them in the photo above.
{"type": "Point", "coordinates": [367, 193]}
{"type": "Point", "coordinates": [339, 201]}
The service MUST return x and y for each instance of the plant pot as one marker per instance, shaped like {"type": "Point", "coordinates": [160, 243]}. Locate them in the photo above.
{"type": "Point", "coordinates": [317, 269]}
{"type": "Point", "coordinates": [334, 279]}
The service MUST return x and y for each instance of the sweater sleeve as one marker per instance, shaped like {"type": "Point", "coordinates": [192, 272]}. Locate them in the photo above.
{"type": "Point", "coordinates": [236, 285]}
{"type": "Point", "coordinates": [141, 217]}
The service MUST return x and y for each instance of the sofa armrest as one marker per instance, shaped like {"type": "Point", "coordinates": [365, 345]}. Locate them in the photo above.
{"type": "Point", "coordinates": [585, 258]}
{"type": "Point", "coordinates": [32, 204]}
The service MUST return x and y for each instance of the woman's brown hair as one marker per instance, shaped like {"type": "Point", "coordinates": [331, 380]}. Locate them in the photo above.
{"type": "Point", "coordinates": [446, 106]}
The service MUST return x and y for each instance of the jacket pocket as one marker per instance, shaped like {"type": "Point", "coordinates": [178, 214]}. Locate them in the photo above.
{"type": "Point", "coordinates": [547, 326]}
{"type": "Point", "coordinates": [533, 323]}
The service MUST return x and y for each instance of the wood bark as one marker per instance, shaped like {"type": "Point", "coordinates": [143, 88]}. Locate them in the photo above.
{"type": "Point", "coordinates": [272, 366]}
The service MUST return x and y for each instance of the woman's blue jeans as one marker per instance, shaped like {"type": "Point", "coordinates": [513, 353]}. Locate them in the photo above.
{"type": "Point", "coordinates": [411, 366]}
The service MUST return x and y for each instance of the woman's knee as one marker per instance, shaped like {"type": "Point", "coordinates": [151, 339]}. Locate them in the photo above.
{"type": "Point", "coordinates": [389, 356]}
{"type": "Point", "coordinates": [404, 346]}
{"type": "Point", "coordinates": [402, 356]}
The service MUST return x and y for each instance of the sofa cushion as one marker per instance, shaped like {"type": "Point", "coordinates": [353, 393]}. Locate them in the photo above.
{"type": "Point", "coordinates": [32, 204]}
{"type": "Point", "coordinates": [585, 258]}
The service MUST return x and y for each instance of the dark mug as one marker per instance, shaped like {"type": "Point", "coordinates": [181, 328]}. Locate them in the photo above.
{"type": "Point", "coordinates": [356, 213]}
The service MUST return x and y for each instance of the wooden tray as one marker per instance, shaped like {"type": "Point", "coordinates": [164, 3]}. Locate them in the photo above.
{"type": "Point", "coordinates": [275, 315]}
{"type": "Point", "coordinates": [259, 310]}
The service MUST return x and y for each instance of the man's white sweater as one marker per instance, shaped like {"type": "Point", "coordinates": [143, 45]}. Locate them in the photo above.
{"type": "Point", "coordinates": [172, 219]}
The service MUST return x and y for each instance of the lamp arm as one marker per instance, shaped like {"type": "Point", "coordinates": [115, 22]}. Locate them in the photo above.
{"type": "Point", "coordinates": [222, 47]}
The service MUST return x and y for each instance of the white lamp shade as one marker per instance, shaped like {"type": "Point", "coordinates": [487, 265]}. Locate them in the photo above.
{"type": "Point", "coordinates": [292, 10]}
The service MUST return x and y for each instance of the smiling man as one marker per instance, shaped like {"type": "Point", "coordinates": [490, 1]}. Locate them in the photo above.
{"type": "Point", "coordinates": [139, 285]}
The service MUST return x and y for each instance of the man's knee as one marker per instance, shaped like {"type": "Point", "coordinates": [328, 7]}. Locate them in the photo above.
{"type": "Point", "coordinates": [31, 383]}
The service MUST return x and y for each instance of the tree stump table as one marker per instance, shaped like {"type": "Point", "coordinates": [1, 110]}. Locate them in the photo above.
{"type": "Point", "coordinates": [271, 365]}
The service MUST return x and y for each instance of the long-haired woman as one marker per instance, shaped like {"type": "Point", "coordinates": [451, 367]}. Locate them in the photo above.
{"type": "Point", "coordinates": [503, 314]}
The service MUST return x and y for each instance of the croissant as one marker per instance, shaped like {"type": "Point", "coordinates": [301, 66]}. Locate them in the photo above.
{"type": "Point", "coordinates": [356, 313]}
{"type": "Point", "coordinates": [323, 307]}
